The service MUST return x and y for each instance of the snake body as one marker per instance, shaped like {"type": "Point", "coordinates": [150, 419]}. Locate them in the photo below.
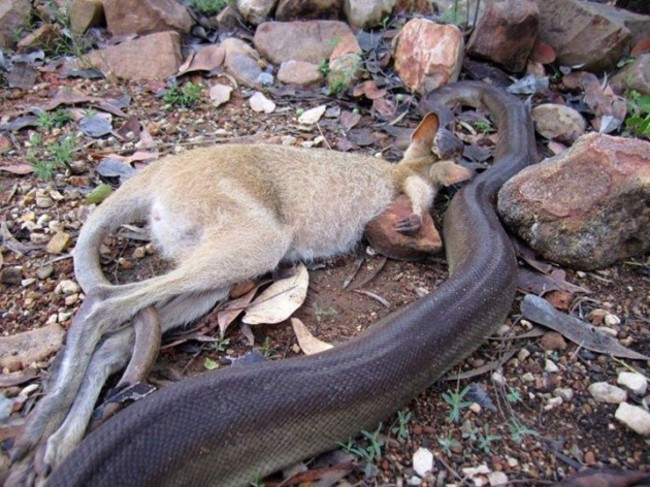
{"type": "Point", "coordinates": [229, 427]}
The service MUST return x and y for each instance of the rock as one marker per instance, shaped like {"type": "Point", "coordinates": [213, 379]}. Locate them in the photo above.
{"type": "Point", "coordinates": [345, 64]}
{"type": "Point", "coordinates": [85, 14]}
{"type": "Point", "coordinates": [634, 417]}
{"type": "Point", "coordinates": [125, 17]}
{"type": "Point", "coordinates": [220, 94]}
{"type": "Point", "coordinates": [11, 276]}
{"type": "Point", "coordinates": [312, 116]}
{"type": "Point", "coordinates": [422, 7]}
{"type": "Point", "coordinates": [422, 462]}
{"type": "Point", "coordinates": [366, 14]}
{"type": "Point", "coordinates": [550, 366]}
{"type": "Point", "coordinates": [312, 41]}
{"type": "Point", "coordinates": [154, 56]}
{"type": "Point", "coordinates": [259, 103]}
{"type": "Point", "coordinates": [604, 392]}
{"type": "Point", "coordinates": [300, 73]}
{"type": "Point", "coordinates": [635, 76]}
{"type": "Point", "coordinates": [255, 11]}
{"type": "Point", "coordinates": [497, 478]}
{"type": "Point", "coordinates": [59, 243]}
{"type": "Point", "coordinates": [242, 62]}
{"type": "Point", "coordinates": [587, 207]}
{"type": "Point", "coordinates": [558, 122]}
{"type": "Point", "coordinates": [639, 25]}
{"type": "Point", "coordinates": [565, 393]}
{"type": "Point", "coordinates": [638, 6]}
{"type": "Point", "coordinates": [634, 382]}
{"type": "Point", "coordinates": [308, 9]}
{"type": "Point", "coordinates": [552, 340]}
{"type": "Point", "coordinates": [67, 286]}
{"type": "Point", "coordinates": [428, 55]}
{"type": "Point", "coordinates": [30, 346]}
{"type": "Point", "coordinates": [45, 271]}
{"type": "Point", "coordinates": [14, 15]}
{"type": "Point", "coordinates": [381, 233]}
{"type": "Point", "coordinates": [45, 37]}
{"type": "Point", "coordinates": [582, 34]}
{"type": "Point", "coordinates": [506, 33]}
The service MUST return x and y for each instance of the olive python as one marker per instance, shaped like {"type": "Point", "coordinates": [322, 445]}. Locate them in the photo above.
{"type": "Point", "coordinates": [226, 428]}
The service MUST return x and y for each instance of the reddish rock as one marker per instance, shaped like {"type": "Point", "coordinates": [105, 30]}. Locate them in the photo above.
{"type": "Point", "coordinates": [154, 56]}
{"type": "Point", "coordinates": [46, 37]}
{"type": "Point", "coordinates": [85, 14]}
{"type": "Point", "coordinates": [428, 55]}
{"type": "Point", "coordinates": [581, 33]}
{"type": "Point", "coordinates": [552, 341]}
{"type": "Point", "coordinates": [635, 76]}
{"type": "Point", "coordinates": [383, 237]}
{"type": "Point", "coordinates": [312, 41]}
{"type": "Point", "coordinates": [300, 73]}
{"type": "Point", "coordinates": [14, 15]}
{"type": "Point", "coordinates": [125, 17]}
{"type": "Point", "coordinates": [506, 33]}
{"type": "Point", "coordinates": [558, 122]}
{"type": "Point", "coordinates": [308, 10]}
{"type": "Point", "coordinates": [587, 207]}
{"type": "Point", "coordinates": [422, 7]}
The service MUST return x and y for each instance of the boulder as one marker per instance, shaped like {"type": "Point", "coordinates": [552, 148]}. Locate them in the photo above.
{"type": "Point", "coordinates": [125, 17]}
{"type": "Point", "coordinates": [300, 73]}
{"type": "Point", "coordinates": [242, 62]}
{"type": "Point", "coordinates": [308, 10]}
{"type": "Point", "coordinates": [85, 14]}
{"type": "Point", "coordinates": [366, 14]}
{"type": "Point", "coordinates": [14, 15]}
{"type": "Point", "coordinates": [256, 11]}
{"type": "Point", "coordinates": [586, 208]}
{"type": "Point", "coordinates": [558, 122]}
{"type": "Point", "coordinates": [635, 76]}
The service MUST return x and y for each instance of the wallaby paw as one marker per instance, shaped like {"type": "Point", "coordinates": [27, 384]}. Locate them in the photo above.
{"type": "Point", "coordinates": [409, 225]}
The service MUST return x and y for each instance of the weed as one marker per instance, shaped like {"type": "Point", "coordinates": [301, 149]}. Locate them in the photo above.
{"type": "Point", "coordinates": [266, 350]}
{"type": "Point", "coordinates": [256, 482]}
{"type": "Point", "coordinates": [62, 151]}
{"type": "Point", "coordinates": [186, 96]}
{"type": "Point", "coordinates": [639, 108]}
{"type": "Point", "coordinates": [324, 67]}
{"type": "Point", "coordinates": [483, 126]}
{"type": "Point", "coordinates": [209, 7]}
{"type": "Point", "coordinates": [367, 450]}
{"type": "Point", "coordinates": [447, 443]}
{"type": "Point", "coordinates": [46, 159]}
{"type": "Point", "coordinates": [513, 395]}
{"type": "Point", "coordinates": [485, 439]}
{"type": "Point", "coordinates": [48, 120]}
{"type": "Point", "coordinates": [518, 430]}
{"type": "Point", "coordinates": [455, 400]}
{"type": "Point", "coordinates": [64, 41]}
{"type": "Point", "coordinates": [400, 427]}
{"type": "Point", "coordinates": [210, 364]}
{"type": "Point", "coordinates": [220, 344]}
{"type": "Point", "coordinates": [320, 313]}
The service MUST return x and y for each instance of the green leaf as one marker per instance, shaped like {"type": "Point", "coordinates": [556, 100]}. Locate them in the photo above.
{"type": "Point", "coordinates": [99, 194]}
{"type": "Point", "coordinates": [210, 364]}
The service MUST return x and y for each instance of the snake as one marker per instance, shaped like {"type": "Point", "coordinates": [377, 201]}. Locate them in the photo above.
{"type": "Point", "coordinates": [230, 427]}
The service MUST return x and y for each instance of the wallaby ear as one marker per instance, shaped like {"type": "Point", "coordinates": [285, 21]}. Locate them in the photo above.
{"type": "Point", "coordinates": [423, 136]}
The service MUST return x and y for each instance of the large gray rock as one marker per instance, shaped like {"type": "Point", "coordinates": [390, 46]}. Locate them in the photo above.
{"type": "Point", "coordinates": [587, 207]}
{"type": "Point", "coordinates": [312, 41]}
{"type": "Point", "coordinates": [14, 14]}
{"type": "Point", "coordinates": [126, 17]}
{"type": "Point", "coordinates": [581, 33]}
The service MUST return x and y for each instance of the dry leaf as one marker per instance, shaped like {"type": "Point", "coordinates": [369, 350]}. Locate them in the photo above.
{"type": "Point", "coordinates": [309, 344]}
{"type": "Point", "coordinates": [280, 299]}
{"type": "Point", "coordinates": [233, 309]}
{"type": "Point", "coordinates": [349, 119]}
{"type": "Point", "coordinates": [312, 116]}
{"type": "Point", "coordinates": [19, 169]}
{"type": "Point", "coordinates": [207, 59]}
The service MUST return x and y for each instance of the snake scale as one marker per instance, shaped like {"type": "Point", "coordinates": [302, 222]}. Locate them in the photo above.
{"type": "Point", "coordinates": [226, 428]}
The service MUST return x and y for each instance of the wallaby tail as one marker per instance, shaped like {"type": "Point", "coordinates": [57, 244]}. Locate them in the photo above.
{"type": "Point", "coordinates": [130, 203]}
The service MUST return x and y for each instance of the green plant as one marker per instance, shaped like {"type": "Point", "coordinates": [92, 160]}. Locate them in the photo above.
{"type": "Point", "coordinates": [47, 120]}
{"type": "Point", "coordinates": [513, 395]}
{"type": "Point", "coordinates": [455, 400]}
{"type": "Point", "coordinates": [447, 443]}
{"type": "Point", "coordinates": [257, 482]}
{"type": "Point", "coordinates": [220, 344]}
{"type": "Point", "coordinates": [320, 313]}
{"type": "Point", "coordinates": [483, 126]}
{"type": "Point", "coordinates": [639, 108]}
{"type": "Point", "coordinates": [518, 430]}
{"type": "Point", "coordinates": [185, 96]}
{"type": "Point", "coordinates": [62, 151]}
{"type": "Point", "coordinates": [324, 67]}
{"type": "Point", "coordinates": [367, 450]}
{"type": "Point", "coordinates": [61, 41]}
{"type": "Point", "coordinates": [210, 364]}
{"type": "Point", "coordinates": [266, 350]}
{"type": "Point", "coordinates": [485, 439]}
{"type": "Point", "coordinates": [209, 7]}
{"type": "Point", "coordinates": [400, 426]}
{"type": "Point", "coordinates": [46, 159]}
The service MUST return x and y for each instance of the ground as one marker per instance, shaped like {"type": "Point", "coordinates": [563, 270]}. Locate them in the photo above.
{"type": "Point", "coordinates": [512, 431]}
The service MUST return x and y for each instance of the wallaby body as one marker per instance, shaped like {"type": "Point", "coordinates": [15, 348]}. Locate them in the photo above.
{"type": "Point", "coordinates": [224, 214]}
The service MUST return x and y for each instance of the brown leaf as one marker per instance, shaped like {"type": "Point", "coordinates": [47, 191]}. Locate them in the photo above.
{"type": "Point", "coordinates": [542, 53]}
{"type": "Point", "coordinates": [207, 59]}
{"type": "Point", "coordinates": [233, 309]}
{"type": "Point", "coordinates": [309, 344]}
{"type": "Point", "coordinates": [369, 89]}
{"type": "Point", "coordinates": [19, 169]}
{"type": "Point", "coordinates": [384, 107]}
{"type": "Point", "coordinates": [349, 119]}
{"type": "Point", "coordinates": [31, 346]}
{"type": "Point", "coordinates": [641, 47]}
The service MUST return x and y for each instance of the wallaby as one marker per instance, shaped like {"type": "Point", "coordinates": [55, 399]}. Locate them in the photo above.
{"type": "Point", "coordinates": [224, 214]}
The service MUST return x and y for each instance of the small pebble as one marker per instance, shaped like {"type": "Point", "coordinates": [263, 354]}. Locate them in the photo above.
{"type": "Point", "coordinates": [45, 271]}
{"type": "Point", "coordinates": [634, 382]}
{"type": "Point", "coordinates": [565, 393]}
{"type": "Point", "coordinates": [604, 392]}
{"type": "Point", "coordinates": [612, 320]}
{"type": "Point", "coordinates": [11, 276]}
{"type": "Point", "coordinates": [422, 461]}
{"type": "Point", "coordinates": [549, 366]}
{"type": "Point", "coordinates": [590, 458]}
{"type": "Point", "coordinates": [523, 354]}
{"type": "Point", "coordinates": [634, 417]}
{"type": "Point", "coordinates": [528, 377]}
{"type": "Point", "coordinates": [497, 478]}
{"type": "Point", "coordinates": [552, 341]}
{"type": "Point", "coordinates": [67, 286]}
{"type": "Point", "coordinates": [512, 462]}
{"type": "Point", "coordinates": [552, 403]}
{"type": "Point", "coordinates": [498, 378]}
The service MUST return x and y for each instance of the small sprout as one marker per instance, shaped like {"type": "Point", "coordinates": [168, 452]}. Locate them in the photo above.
{"type": "Point", "coordinates": [513, 395]}
{"type": "Point", "coordinates": [210, 364]}
{"type": "Point", "coordinates": [447, 443]}
{"type": "Point", "coordinates": [455, 400]}
{"type": "Point", "coordinates": [186, 96]}
{"type": "Point", "coordinates": [400, 427]}
{"type": "Point", "coordinates": [518, 431]}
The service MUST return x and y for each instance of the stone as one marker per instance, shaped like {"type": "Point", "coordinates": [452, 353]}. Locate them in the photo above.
{"type": "Point", "coordinates": [366, 14]}
{"type": "Point", "coordinates": [67, 286]}
{"type": "Point", "coordinates": [558, 122]}
{"type": "Point", "coordinates": [635, 76]}
{"type": "Point", "coordinates": [45, 37]}
{"type": "Point", "coordinates": [14, 15]}
{"type": "Point", "coordinates": [423, 462]}
{"type": "Point", "coordinates": [125, 17]}
{"type": "Point", "coordinates": [633, 382]}
{"type": "Point", "coordinates": [422, 7]}
{"type": "Point", "coordinates": [242, 62]}
{"type": "Point", "coordinates": [550, 366]}
{"type": "Point", "coordinates": [604, 392]}
{"type": "Point", "coordinates": [300, 73]}
{"type": "Point", "coordinates": [59, 243]}
{"type": "Point", "coordinates": [255, 12]}
{"type": "Point", "coordinates": [30, 346]}
{"type": "Point", "coordinates": [634, 417]}
{"type": "Point", "coordinates": [155, 56]}
{"type": "Point", "coordinates": [259, 103]}
{"type": "Point", "coordinates": [85, 14]}
{"type": "Point", "coordinates": [344, 71]}
{"type": "Point", "coordinates": [639, 25]}
{"type": "Point", "coordinates": [383, 237]}
{"type": "Point", "coordinates": [11, 276]}
{"type": "Point", "coordinates": [587, 207]}
{"type": "Point", "coordinates": [428, 55]}
{"type": "Point", "coordinates": [497, 478]}
{"type": "Point", "coordinates": [552, 340]}
{"type": "Point", "coordinates": [582, 34]}
{"type": "Point", "coordinates": [308, 10]}
{"type": "Point", "coordinates": [312, 41]}
{"type": "Point", "coordinates": [565, 393]}
{"type": "Point", "coordinates": [505, 33]}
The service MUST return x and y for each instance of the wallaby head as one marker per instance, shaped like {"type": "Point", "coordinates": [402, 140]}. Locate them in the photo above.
{"type": "Point", "coordinates": [422, 140]}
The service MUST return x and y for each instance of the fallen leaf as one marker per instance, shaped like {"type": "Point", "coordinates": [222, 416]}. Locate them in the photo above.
{"type": "Point", "coordinates": [580, 332]}
{"type": "Point", "coordinates": [349, 119]}
{"type": "Point", "coordinates": [369, 90]}
{"type": "Point", "coordinates": [308, 343]}
{"type": "Point", "coordinates": [207, 59]}
{"type": "Point", "coordinates": [96, 125]}
{"type": "Point", "coordinates": [641, 47]}
{"type": "Point", "coordinates": [31, 346]}
{"type": "Point", "coordinates": [384, 107]}
{"type": "Point", "coordinates": [99, 194]}
{"type": "Point", "coordinates": [259, 103]}
{"type": "Point", "coordinates": [135, 157]}
{"type": "Point", "coordinates": [220, 94]}
{"type": "Point", "coordinates": [605, 477]}
{"type": "Point", "coordinates": [111, 168]}
{"type": "Point", "coordinates": [278, 301]}
{"type": "Point", "coordinates": [19, 169]}
{"type": "Point", "coordinates": [312, 116]}
{"type": "Point", "coordinates": [233, 309]}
